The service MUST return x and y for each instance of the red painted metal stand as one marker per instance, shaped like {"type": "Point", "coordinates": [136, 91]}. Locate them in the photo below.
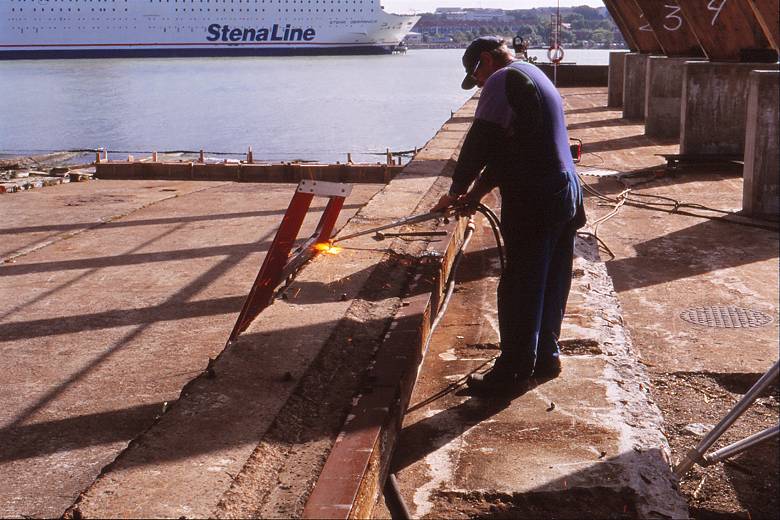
{"type": "Point", "coordinates": [278, 263]}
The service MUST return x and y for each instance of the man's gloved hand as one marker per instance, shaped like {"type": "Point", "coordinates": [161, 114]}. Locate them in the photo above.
{"type": "Point", "coordinates": [467, 204]}
{"type": "Point", "coordinates": [445, 202]}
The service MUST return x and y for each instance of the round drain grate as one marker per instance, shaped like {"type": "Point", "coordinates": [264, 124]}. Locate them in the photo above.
{"type": "Point", "coordinates": [726, 317]}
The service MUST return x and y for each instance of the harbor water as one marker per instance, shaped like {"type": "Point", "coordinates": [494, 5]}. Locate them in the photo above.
{"type": "Point", "coordinates": [307, 108]}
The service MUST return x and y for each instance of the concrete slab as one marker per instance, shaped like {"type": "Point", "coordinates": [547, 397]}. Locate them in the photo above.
{"type": "Point", "coordinates": [99, 330]}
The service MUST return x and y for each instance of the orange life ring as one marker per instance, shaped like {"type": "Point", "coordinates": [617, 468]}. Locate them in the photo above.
{"type": "Point", "coordinates": [555, 54]}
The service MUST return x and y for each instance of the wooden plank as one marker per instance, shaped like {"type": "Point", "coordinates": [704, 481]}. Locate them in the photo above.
{"type": "Point", "coordinates": [728, 30]}
{"type": "Point", "coordinates": [636, 24]}
{"type": "Point", "coordinates": [768, 15]}
{"type": "Point", "coordinates": [671, 30]}
{"type": "Point", "coordinates": [622, 26]}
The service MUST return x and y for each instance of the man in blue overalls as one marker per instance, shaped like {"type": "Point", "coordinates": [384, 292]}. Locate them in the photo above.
{"type": "Point", "coordinates": [519, 143]}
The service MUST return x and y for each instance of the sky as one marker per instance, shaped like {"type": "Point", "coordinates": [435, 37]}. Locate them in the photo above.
{"type": "Point", "coordinates": [422, 6]}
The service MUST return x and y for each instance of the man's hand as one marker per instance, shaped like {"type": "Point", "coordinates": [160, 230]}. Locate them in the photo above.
{"type": "Point", "coordinates": [445, 202]}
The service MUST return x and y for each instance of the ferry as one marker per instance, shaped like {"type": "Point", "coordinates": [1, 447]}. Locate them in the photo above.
{"type": "Point", "coordinates": [46, 29]}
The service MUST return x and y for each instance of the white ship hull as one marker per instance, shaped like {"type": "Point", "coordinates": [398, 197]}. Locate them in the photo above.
{"type": "Point", "coordinates": [115, 28]}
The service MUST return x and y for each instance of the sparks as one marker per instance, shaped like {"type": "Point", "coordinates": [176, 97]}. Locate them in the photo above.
{"type": "Point", "coordinates": [328, 248]}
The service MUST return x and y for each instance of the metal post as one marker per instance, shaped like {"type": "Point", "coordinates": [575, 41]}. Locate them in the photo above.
{"type": "Point", "coordinates": [695, 455]}
{"type": "Point", "coordinates": [738, 447]}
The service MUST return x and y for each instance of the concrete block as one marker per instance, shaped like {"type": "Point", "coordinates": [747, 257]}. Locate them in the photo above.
{"type": "Point", "coordinates": [761, 191]}
{"type": "Point", "coordinates": [714, 107]}
{"type": "Point", "coordinates": [615, 79]}
{"type": "Point", "coordinates": [574, 75]}
{"type": "Point", "coordinates": [663, 95]}
{"type": "Point", "coordinates": [634, 79]}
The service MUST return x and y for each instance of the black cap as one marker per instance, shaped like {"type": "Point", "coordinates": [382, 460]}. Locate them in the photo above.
{"type": "Point", "coordinates": [471, 57]}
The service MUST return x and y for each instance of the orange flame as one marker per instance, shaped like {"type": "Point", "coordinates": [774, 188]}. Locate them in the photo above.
{"type": "Point", "coordinates": [327, 248]}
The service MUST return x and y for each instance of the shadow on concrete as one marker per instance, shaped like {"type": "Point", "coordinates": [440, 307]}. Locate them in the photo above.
{"type": "Point", "coordinates": [73, 433]}
{"type": "Point", "coordinates": [422, 438]}
{"type": "Point", "coordinates": [144, 319]}
{"type": "Point", "coordinates": [171, 310]}
{"type": "Point", "coordinates": [622, 143]}
{"type": "Point", "coordinates": [601, 123]}
{"type": "Point", "coordinates": [133, 259]}
{"type": "Point", "coordinates": [592, 110]}
{"type": "Point", "coordinates": [599, 491]}
{"type": "Point", "coordinates": [156, 221]}
{"type": "Point", "coordinates": [736, 382]}
{"type": "Point", "coordinates": [702, 248]}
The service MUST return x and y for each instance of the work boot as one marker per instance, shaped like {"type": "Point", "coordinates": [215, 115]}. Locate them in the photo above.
{"type": "Point", "coordinates": [499, 380]}
{"type": "Point", "coordinates": [548, 370]}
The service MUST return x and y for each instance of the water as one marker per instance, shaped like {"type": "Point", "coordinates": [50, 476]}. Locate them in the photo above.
{"type": "Point", "coordinates": [311, 108]}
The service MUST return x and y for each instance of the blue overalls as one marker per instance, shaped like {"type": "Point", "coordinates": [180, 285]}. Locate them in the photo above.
{"type": "Point", "coordinates": [519, 136]}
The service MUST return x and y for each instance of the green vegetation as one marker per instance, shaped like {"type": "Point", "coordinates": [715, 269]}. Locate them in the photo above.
{"type": "Point", "coordinates": [582, 27]}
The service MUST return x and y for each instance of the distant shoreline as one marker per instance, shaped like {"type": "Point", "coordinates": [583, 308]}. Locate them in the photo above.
{"type": "Point", "coordinates": [464, 45]}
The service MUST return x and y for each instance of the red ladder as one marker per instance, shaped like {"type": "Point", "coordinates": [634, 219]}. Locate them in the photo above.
{"type": "Point", "coordinates": [278, 264]}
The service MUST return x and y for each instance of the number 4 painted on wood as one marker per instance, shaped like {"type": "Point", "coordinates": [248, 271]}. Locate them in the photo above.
{"type": "Point", "coordinates": [716, 6]}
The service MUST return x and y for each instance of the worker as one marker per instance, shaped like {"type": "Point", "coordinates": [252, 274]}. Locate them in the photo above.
{"type": "Point", "coordinates": [518, 142]}
{"type": "Point", "coordinates": [520, 47]}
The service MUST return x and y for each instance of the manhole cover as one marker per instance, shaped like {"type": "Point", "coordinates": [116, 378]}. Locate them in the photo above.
{"type": "Point", "coordinates": [725, 317]}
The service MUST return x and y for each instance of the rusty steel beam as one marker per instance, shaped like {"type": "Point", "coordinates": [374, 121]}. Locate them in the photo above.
{"type": "Point", "coordinates": [670, 28]}
{"type": "Point", "coordinates": [768, 15]}
{"type": "Point", "coordinates": [622, 26]}
{"type": "Point", "coordinates": [728, 30]}
{"type": "Point", "coordinates": [637, 26]}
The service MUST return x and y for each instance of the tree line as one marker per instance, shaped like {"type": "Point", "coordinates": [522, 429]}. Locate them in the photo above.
{"type": "Point", "coordinates": [581, 26]}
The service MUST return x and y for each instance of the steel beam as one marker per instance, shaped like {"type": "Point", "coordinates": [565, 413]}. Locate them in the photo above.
{"type": "Point", "coordinates": [635, 24]}
{"type": "Point", "coordinates": [768, 15]}
{"type": "Point", "coordinates": [728, 30]}
{"type": "Point", "coordinates": [670, 28]}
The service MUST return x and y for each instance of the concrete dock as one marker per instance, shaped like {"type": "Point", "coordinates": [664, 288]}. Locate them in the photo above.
{"type": "Point", "coordinates": [117, 296]}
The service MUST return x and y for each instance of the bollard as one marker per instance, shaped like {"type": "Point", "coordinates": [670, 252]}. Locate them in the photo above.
{"type": "Point", "coordinates": [389, 158]}
{"type": "Point", "coordinates": [154, 156]}
{"type": "Point", "coordinates": [105, 154]}
{"type": "Point", "coordinates": [201, 158]}
{"type": "Point", "coordinates": [97, 157]}
{"type": "Point", "coordinates": [249, 158]}
{"type": "Point", "coordinates": [349, 158]}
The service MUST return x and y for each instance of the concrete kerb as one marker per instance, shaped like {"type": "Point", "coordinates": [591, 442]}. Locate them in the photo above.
{"type": "Point", "coordinates": [643, 447]}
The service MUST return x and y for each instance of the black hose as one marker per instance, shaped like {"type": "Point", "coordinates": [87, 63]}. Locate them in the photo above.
{"type": "Point", "coordinates": [392, 492]}
{"type": "Point", "coordinates": [495, 225]}
{"type": "Point", "coordinates": [394, 501]}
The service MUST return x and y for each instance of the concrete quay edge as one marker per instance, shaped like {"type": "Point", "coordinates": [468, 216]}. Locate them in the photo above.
{"type": "Point", "coordinates": [350, 482]}
{"type": "Point", "coordinates": [200, 415]}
